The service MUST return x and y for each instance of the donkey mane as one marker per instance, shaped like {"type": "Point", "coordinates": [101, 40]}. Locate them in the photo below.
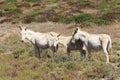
{"type": "Point", "coordinates": [30, 31]}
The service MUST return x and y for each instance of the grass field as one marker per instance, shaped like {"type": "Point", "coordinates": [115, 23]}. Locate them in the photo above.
{"type": "Point", "coordinates": [17, 60]}
{"type": "Point", "coordinates": [22, 64]}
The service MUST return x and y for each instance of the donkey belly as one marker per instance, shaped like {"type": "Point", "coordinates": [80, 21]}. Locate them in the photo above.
{"type": "Point", "coordinates": [95, 45]}
{"type": "Point", "coordinates": [43, 45]}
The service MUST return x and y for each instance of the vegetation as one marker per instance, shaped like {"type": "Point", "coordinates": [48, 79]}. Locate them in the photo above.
{"type": "Point", "coordinates": [1, 13]}
{"type": "Point", "coordinates": [77, 19]}
{"type": "Point", "coordinates": [85, 20]}
{"type": "Point", "coordinates": [103, 16]}
{"type": "Point", "coordinates": [21, 63]}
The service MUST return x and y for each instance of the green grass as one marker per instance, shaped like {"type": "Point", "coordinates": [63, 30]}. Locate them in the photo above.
{"type": "Point", "coordinates": [107, 5]}
{"type": "Point", "coordinates": [101, 22]}
{"type": "Point", "coordinates": [1, 13]}
{"type": "Point", "coordinates": [32, 68]}
{"type": "Point", "coordinates": [9, 6]}
{"type": "Point", "coordinates": [79, 18]}
{"type": "Point", "coordinates": [86, 20]}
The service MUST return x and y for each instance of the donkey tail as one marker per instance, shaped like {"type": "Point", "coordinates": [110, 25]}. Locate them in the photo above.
{"type": "Point", "coordinates": [109, 46]}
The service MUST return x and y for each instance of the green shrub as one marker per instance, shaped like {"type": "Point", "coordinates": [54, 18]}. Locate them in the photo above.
{"type": "Point", "coordinates": [18, 10]}
{"type": "Point", "coordinates": [85, 24]}
{"type": "Point", "coordinates": [1, 13]}
{"type": "Point", "coordinates": [77, 19]}
{"type": "Point", "coordinates": [9, 7]}
{"type": "Point", "coordinates": [101, 22]}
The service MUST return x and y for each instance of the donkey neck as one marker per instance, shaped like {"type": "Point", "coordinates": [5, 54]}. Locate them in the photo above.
{"type": "Point", "coordinates": [30, 32]}
{"type": "Point", "coordinates": [83, 35]}
{"type": "Point", "coordinates": [30, 35]}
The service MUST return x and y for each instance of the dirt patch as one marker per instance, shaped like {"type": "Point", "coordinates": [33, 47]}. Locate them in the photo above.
{"type": "Point", "coordinates": [89, 10]}
{"type": "Point", "coordinates": [7, 30]}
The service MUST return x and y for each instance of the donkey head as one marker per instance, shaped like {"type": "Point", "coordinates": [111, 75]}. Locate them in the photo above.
{"type": "Point", "coordinates": [23, 33]}
{"type": "Point", "coordinates": [55, 40]}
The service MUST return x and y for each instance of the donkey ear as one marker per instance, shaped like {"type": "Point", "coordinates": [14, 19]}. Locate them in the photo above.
{"type": "Point", "coordinates": [51, 34]}
{"type": "Point", "coordinates": [58, 35]}
{"type": "Point", "coordinates": [20, 27]}
{"type": "Point", "coordinates": [78, 28]}
{"type": "Point", "coordinates": [25, 28]}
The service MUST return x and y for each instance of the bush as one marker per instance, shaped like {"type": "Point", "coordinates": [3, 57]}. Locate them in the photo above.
{"type": "Point", "coordinates": [18, 10]}
{"type": "Point", "coordinates": [85, 24]}
{"type": "Point", "coordinates": [77, 19]}
{"type": "Point", "coordinates": [86, 20]}
{"type": "Point", "coordinates": [101, 22]}
{"type": "Point", "coordinates": [9, 7]}
{"type": "Point", "coordinates": [1, 13]}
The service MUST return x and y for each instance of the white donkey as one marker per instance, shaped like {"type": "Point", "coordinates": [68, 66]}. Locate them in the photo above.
{"type": "Point", "coordinates": [66, 42]}
{"type": "Point", "coordinates": [40, 40]}
{"type": "Point", "coordinates": [93, 41]}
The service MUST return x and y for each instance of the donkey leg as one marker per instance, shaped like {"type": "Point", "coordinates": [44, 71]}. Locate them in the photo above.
{"type": "Point", "coordinates": [68, 51]}
{"type": "Point", "coordinates": [82, 52]}
{"type": "Point", "coordinates": [37, 52]}
{"type": "Point", "coordinates": [89, 52]}
{"type": "Point", "coordinates": [104, 46]}
{"type": "Point", "coordinates": [53, 51]}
